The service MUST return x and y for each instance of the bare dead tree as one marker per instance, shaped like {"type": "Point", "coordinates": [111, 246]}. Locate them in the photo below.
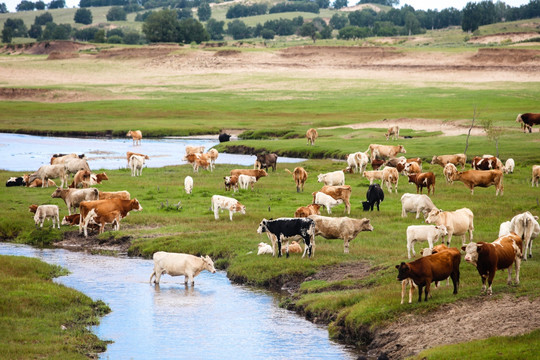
{"type": "Point", "coordinates": [469, 133]}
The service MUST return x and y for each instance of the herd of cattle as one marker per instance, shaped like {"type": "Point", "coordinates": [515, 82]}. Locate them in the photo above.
{"type": "Point", "coordinates": [438, 263]}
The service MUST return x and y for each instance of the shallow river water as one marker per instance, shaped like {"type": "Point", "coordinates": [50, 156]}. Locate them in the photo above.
{"type": "Point", "coordinates": [213, 320]}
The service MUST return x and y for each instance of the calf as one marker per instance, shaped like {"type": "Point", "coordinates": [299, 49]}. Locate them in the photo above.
{"type": "Point", "coordinates": [112, 217]}
{"type": "Point", "coordinates": [300, 176]}
{"type": "Point", "coordinates": [423, 180]}
{"type": "Point", "coordinates": [429, 233]}
{"type": "Point", "coordinates": [176, 264]}
{"type": "Point", "coordinates": [231, 182]}
{"type": "Point", "coordinates": [136, 164]}
{"type": "Point", "coordinates": [393, 131]}
{"type": "Point", "coordinates": [294, 247]}
{"type": "Point", "coordinates": [340, 228]}
{"type": "Point", "coordinates": [456, 222]}
{"type": "Point", "coordinates": [498, 255]}
{"type": "Point", "coordinates": [245, 180]}
{"type": "Point", "coordinates": [223, 202]}
{"type": "Point", "coordinates": [339, 193]}
{"type": "Point", "coordinates": [329, 202]}
{"type": "Point", "coordinates": [305, 211]}
{"type": "Point", "coordinates": [283, 229]}
{"type": "Point", "coordinates": [373, 175]}
{"type": "Point", "coordinates": [334, 178]}
{"type": "Point", "coordinates": [449, 172]}
{"type": "Point", "coordinates": [374, 196]}
{"type": "Point", "coordinates": [47, 212]}
{"type": "Point", "coordinates": [509, 166]}
{"type": "Point", "coordinates": [427, 269]}
{"type": "Point", "coordinates": [188, 184]}
{"type": "Point", "coordinates": [311, 136]}
{"type": "Point", "coordinates": [264, 248]}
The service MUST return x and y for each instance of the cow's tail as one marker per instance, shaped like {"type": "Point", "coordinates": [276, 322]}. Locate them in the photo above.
{"type": "Point", "coordinates": [289, 171]}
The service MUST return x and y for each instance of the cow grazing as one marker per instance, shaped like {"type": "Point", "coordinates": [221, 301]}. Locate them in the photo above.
{"type": "Point", "coordinates": [535, 175]}
{"type": "Point", "coordinates": [47, 212]}
{"type": "Point", "coordinates": [107, 195]}
{"type": "Point", "coordinates": [328, 201]}
{"type": "Point", "coordinates": [244, 181]}
{"type": "Point", "coordinates": [112, 217]}
{"type": "Point", "coordinates": [311, 136]}
{"type": "Point", "coordinates": [374, 196]}
{"type": "Point", "coordinates": [105, 209]}
{"type": "Point", "coordinates": [231, 182]}
{"type": "Point", "coordinates": [498, 255]}
{"type": "Point", "coordinates": [300, 176]}
{"type": "Point", "coordinates": [525, 226]}
{"type": "Point", "coordinates": [264, 248]}
{"type": "Point", "coordinates": [15, 181]}
{"type": "Point", "coordinates": [394, 162]}
{"type": "Point", "coordinates": [97, 179]}
{"type": "Point", "coordinates": [136, 135]}
{"type": "Point", "coordinates": [427, 269]}
{"type": "Point", "coordinates": [423, 180]}
{"type": "Point", "coordinates": [412, 168]}
{"type": "Point", "coordinates": [334, 178]}
{"type": "Point", "coordinates": [344, 228]}
{"type": "Point", "coordinates": [258, 173]}
{"type": "Point", "coordinates": [72, 166]}
{"type": "Point", "coordinates": [265, 161]}
{"type": "Point", "coordinates": [176, 264]}
{"type": "Point", "coordinates": [429, 233]}
{"type": "Point", "coordinates": [224, 137]}
{"type": "Point", "coordinates": [357, 162]}
{"type": "Point", "coordinates": [456, 159]}
{"type": "Point", "coordinates": [486, 163]}
{"type": "Point", "coordinates": [212, 156]}
{"type": "Point", "coordinates": [294, 247]}
{"type": "Point", "coordinates": [390, 177]}
{"type": "Point", "coordinates": [339, 193]}
{"type": "Point", "coordinates": [509, 166]}
{"type": "Point", "coordinates": [283, 229]}
{"type": "Point", "coordinates": [136, 164]}
{"type": "Point", "coordinates": [449, 172]}
{"type": "Point", "coordinates": [393, 131]}
{"type": "Point", "coordinates": [377, 163]}
{"type": "Point", "coordinates": [73, 197]}
{"type": "Point", "coordinates": [305, 211]}
{"type": "Point", "coordinates": [528, 120]}
{"type": "Point", "coordinates": [385, 151]}
{"type": "Point", "coordinates": [194, 149]}
{"type": "Point", "coordinates": [81, 179]}
{"type": "Point", "coordinates": [416, 203]}
{"type": "Point", "coordinates": [373, 175]}
{"type": "Point", "coordinates": [223, 202]}
{"type": "Point", "coordinates": [188, 184]}
{"type": "Point", "coordinates": [457, 222]}
{"type": "Point", "coordinates": [47, 172]}
{"type": "Point", "coordinates": [481, 178]}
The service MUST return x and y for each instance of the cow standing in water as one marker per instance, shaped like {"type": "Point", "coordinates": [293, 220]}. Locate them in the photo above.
{"type": "Point", "coordinates": [136, 135]}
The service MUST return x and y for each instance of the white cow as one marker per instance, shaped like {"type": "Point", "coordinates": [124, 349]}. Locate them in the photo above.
{"type": "Point", "coordinates": [416, 203]}
{"type": "Point", "coordinates": [224, 202]}
{"type": "Point", "coordinates": [457, 222]}
{"type": "Point", "coordinates": [47, 212]}
{"type": "Point", "coordinates": [245, 180]}
{"type": "Point", "coordinates": [357, 162]}
{"type": "Point", "coordinates": [509, 166]}
{"type": "Point", "coordinates": [429, 233]}
{"type": "Point", "coordinates": [504, 228]}
{"type": "Point", "coordinates": [176, 264]}
{"type": "Point", "coordinates": [334, 178]}
{"type": "Point", "coordinates": [449, 171]}
{"type": "Point", "coordinates": [329, 202]}
{"type": "Point", "coordinates": [188, 184]}
{"type": "Point", "coordinates": [264, 248]}
{"type": "Point", "coordinates": [526, 226]}
{"type": "Point", "coordinates": [136, 164]}
{"type": "Point", "coordinates": [390, 177]}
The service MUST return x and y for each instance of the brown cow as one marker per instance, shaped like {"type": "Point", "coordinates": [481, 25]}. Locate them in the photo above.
{"type": "Point", "coordinates": [377, 163]}
{"type": "Point", "coordinates": [311, 136]}
{"type": "Point", "coordinates": [32, 208]}
{"type": "Point", "coordinates": [482, 178]}
{"type": "Point", "coordinates": [385, 151]}
{"type": "Point", "coordinates": [106, 195]}
{"type": "Point", "coordinates": [498, 255]}
{"type": "Point", "coordinates": [36, 182]}
{"type": "Point", "coordinates": [456, 159]}
{"type": "Point", "coordinates": [528, 120]}
{"type": "Point", "coordinates": [300, 176]}
{"type": "Point", "coordinates": [96, 179]}
{"type": "Point", "coordinates": [265, 161]}
{"type": "Point", "coordinates": [82, 178]}
{"type": "Point", "coordinates": [305, 211]}
{"type": "Point", "coordinates": [136, 135]}
{"type": "Point", "coordinates": [258, 173]}
{"type": "Point", "coordinates": [425, 270]}
{"type": "Point", "coordinates": [423, 180]}
{"type": "Point", "coordinates": [105, 209]}
{"type": "Point", "coordinates": [342, 192]}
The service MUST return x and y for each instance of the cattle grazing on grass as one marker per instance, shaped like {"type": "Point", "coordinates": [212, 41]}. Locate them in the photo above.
{"type": "Point", "coordinates": [535, 175]}
{"type": "Point", "coordinates": [284, 229]}
{"type": "Point", "coordinates": [528, 120]}
{"type": "Point", "coordinates": [244, 181]}
{"type": "Point", "coordinates": [300, 176]}
{"type": "Point", "coordinates": [136, 164]}
{"type": "Point", "coordinates": [449, 172]}
{"type": "Point", "coordinates": [427, 269]}
{"type": "Point", "coordinates": [509, 166]}
{"type": "Point", "coordinates": [393, 131]}
{"type": "Point", "coordinates": [231, 182]}
{"type": "Point", "coordinates": [457, 222]}
{"type": "Point", "coordinates": [107, 195]}
{"type": "Point", "coordinates": [385, 151]}
{"type": "Point", "coordinates": [47, 172]}
{"type": "Point", "coordinates": [423, 180]}
{"type": "Point", "coordinates": [456, 159]}
{"type": "Point", "coordinates": [176, 264]}
{"type": "Point", "coordinates": [188, 184]}
{"type": "Point", "coordinates": [136, 135]}
{"type": "Point", "coordinates": [339, 193]}
{"type": "Point", "coordinates": [525, 226]}
{"type": "Point", "coordinates": [327, 201]}
{"type": "Point", "coordinates": [390, 177]}
{"type": "Point", "coordinates": [47, 212]}
{"type": "Point", "coordinates": [416, 203]}
{"type": "Point", "coordinates": [481, 178]}
{"type": "Point", "coordinates": [305, 211]}
{"type": "Point", "coordinates": [265, 161]}
{"type": "Point", "coordinates": [498, 255]}
{"type": "Point", "coordinates": [106, 209]}
{"type": "Point", "coordinates": [374, 196]}
{"type": "Point", "coordinates": [344, 228]}
{"type": "Point", "coordinates": [258, 173]}
{"type": "Point", "coordinates": [311, 136]}
{"type": "Point", "coordinates": [73, 197]}
{"type": "Point", "coordinates": [429, 233]}
{"type": "Point", "coordinates": [334, 178]}
{"type": "Point", "coordinates": [226, 203]}
{"type": "Point", "coordinates": [15, 181]}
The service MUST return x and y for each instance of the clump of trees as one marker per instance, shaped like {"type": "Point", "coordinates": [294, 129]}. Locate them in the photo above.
{"type": "Point", "coordinates": [240, 10]}
{"type": "Point", "coordinates": [164, 26]}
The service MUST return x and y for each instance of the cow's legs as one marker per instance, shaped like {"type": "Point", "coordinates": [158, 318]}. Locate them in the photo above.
{"type": "Point", "coordinates": [517, 265]}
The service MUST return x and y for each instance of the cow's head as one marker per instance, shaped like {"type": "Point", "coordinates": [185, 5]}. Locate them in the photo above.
{"type": "Point", "coordinates": [240, 208]}
{"type": "Point", "coordinates": [402, 149]}
{"type": "Point", "coordinates": [433, 216]}
{"type": "Point", "coordinates": [365, 225]}
{"type": "Point", "coordinates": [135, 205]}
{"type": "Point", "coordinates": [320, 178]}
{"type": "Point", "coordinates": [33, 208]}
{"type": "Point", "coordinates": [471, 252]}
{"type": "Point", "coordinates": [434, 160]}
{"type": "Point", "coordinates": [412, 178]}
{"type": "Point", "coordinates": [365, 205]}
{"type": "Point", "coordinates": [57, 193]}
{"type": "Point", "coordinates": [208, 264]}
{"type": "Point", "coordinates": [404, 271]}
{"type": "Point", "coordinates": [262, 226]}
{"type": "Point", "coordinates": [441, 229]}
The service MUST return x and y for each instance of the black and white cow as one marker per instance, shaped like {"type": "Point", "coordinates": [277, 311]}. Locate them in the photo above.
{"type": "Point", "coordinates": [285, 229]}
{"type": "Point", "coordinates": [15, 181]}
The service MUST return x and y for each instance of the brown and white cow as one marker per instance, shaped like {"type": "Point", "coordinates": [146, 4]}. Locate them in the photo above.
{"type": "Point", "coordinates": [528, 120]}
{"type": "Point", "coordinates": [136, 135]}
{"type": "Point", "coordinates": [130, 153]}
{"type": "Point", "coordinates": [300, 176]}
{"type": "Point", "coordinates": [456, 159]}
{"type": "Point", "coordinates": [423, 180]}
{"type": "Point", "coordinates": [81, 179]}
{"type": "Point", "coordinates": [486, 163]}
{"type": "Point", "coordinates": [393, 131]}
{"type": "Point", "coordinates": [106, 209]}
{"type": "Point", "coordinates": [311, 136]}
{"type": "Point", "coordinates": [258, 173]}
{"type": "Point", "coordinates": [231, 182]}
{"type": "Point", "coordinates": [390, 176]}
{"type": "Point", "coordinates": [481, 178]}
{"type": "Point", "coordinates": [377, 163]}
{"type": "Point", "coordinates": [107, 195]}
{"type": "Point", "coordinates": [385, 151]}
{"type": "Point", "coordinates": [498, 255]}
{"type": "Point", "coordinates": [457, 222]}
{"type": "Point", "coordinates": [226, 203]}
{"type": "Point", "coordinates": [342, 192]}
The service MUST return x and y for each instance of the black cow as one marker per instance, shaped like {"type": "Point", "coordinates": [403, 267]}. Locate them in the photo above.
{"type": "Point", "coordinates": [267, 160]}
{"type": "Point", "coordinates": [15, 181]}
{"type": "Point", "coordinates": [374, 195]}
{"type": "Point", "coordinates": [283, 229]}
{"type": "Point", "coordinates": [223, 137]}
